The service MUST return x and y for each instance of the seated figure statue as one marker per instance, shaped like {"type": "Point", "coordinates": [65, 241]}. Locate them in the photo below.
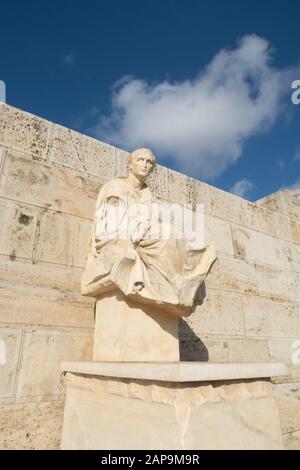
{"type": "Point", "coordinates": [123, 253]}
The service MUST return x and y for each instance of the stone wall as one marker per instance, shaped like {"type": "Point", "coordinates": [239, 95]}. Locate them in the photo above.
{"type": "Point", "coordinates": [49, 180]}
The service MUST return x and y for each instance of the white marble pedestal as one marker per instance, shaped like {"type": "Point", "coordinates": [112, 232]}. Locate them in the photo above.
{"type": "Point", "coordinates": [187, 405]}
{"type": "Point", "coordinates": [127, 331]}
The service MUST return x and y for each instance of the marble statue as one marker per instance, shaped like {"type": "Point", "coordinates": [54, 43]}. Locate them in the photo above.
{"type": "Point", "coordinates": [144, 268]}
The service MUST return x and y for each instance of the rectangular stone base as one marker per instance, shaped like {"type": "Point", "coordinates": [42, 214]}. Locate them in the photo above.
{"type": "Point", "coordinates": [130, 332]}
{"type": "Point", "coordinates": [127, 413]}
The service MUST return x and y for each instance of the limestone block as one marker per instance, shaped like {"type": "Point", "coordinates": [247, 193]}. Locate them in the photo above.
{"type": "Point", "coordinates": [295, 253]}
{"type": "Point", "coordinates": [220, 313]}
{"type": "Point", "coordinates": [121, 159]}
{"type": "Point", "coordinates": [26, 180]}
{"type": "Point", "coordinates": [291, 203]}
{"type": "Point", "coordinates": [295, 231]}
{"type": "Point", "coordinates": [23, 131]}
{"type": "Point", "coordinates": [218, 233]}
{"type": "Point", "coordinates": [266, 317]}
{"type": "Point", "coordinates": [213, 279]}
{"type": "Point", "coordinates": [203, 348]}
{"type": "Point", "coordinates": [22, 304]}
{"type": "Point", "coordinates": [2, 153]}
{"type": "Point", "coordinates": [262, 220]}
{"type": "Point", "coordinates": [284, 350]}
{"type": "Point", "coordinates": [126, 331]}
{"type": "Point", "coordinates": [82, 153]}
{"type": "Point", "coordinates": [31, 426]}
{"type": "Point", "coordinates": [273, 202]}
{"type": "Point", "coordinates": [18, 227]}
{"type": "Point", "coordinates": [292, 440]}
{"type": "Point", "coordinates": [43, 294]}
{"type": "Point", "coordinates": [284, 229]}
{"type": "Point", "coordinates": [294, 285]}
{"type": "Point", "coordinates": [117, 414]}
{"type": "Point", "coordinates": [249, 350]}
{"type": "Point", "coordinates": [198, 193]}
{"type": "Point", "coordinates": [237, 275]}
{"type": "Point", "coordinates": [228, 206]}
{"type": "Point", "coordinates": [261, 248]}
{"type": "Point", "coordinates": [169, 185]}
{"type": "Point", "coordinates": [178, 372]}
{"type": "Point", "coordinates": [287, 398]}
{"type": "Point", "coordinates": [63, 239]}
{"type": "Point", "coordinates": [286, 202]}
{"type": "Point", "coordinates": [43, 351]}
{"type": "Point", "coordinates": [272, 282]}
{"type": "Point", "coordinates": [10, 343]}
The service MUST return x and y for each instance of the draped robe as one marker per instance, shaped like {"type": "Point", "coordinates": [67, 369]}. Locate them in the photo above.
{"type": "Point", "coordinates": [150, 270]}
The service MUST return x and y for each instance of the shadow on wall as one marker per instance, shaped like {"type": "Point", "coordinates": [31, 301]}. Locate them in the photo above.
{"type": "Point", "coordinates": [191, 348]}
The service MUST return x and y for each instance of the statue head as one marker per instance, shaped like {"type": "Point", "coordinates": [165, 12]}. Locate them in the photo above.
{"type": "Point", "coordinates": [141, 162]}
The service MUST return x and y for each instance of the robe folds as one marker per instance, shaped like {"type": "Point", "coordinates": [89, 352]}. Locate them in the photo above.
{"type": "Point", "coordinates": [124, 255]}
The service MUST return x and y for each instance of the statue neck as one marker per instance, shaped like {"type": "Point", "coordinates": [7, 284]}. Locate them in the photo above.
{"type": "Point", "coordinates": [135, 182]}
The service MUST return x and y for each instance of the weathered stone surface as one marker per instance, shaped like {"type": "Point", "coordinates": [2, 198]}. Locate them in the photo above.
{"type": "Point", "coordinates": [218, 233]}
{"type": "Point", "coordinates": [295, 231]}
{"type": "Point", "coordinates": [228, 206]}
{"type": "Point", "coordinates": [262, 220]}
{"type": "Point", "coordinates": [118, 414]}
{"type": "Point", "coordinates": [43, 294]}
{"type": "Point", "coordinates": [219, 314]}
{"type": "Point", "coordinates": [82, 153]}
{"type": "Point", "coordinates": [170, 185]}
{"type": "Point", "coordinates": [63, 239]}
{"type": "Point", "coordinates": [286, 202]}
{"type": "Point", "coordinates": [295, 254]}
{"type": "Point", "coordinates": [52, 186]}
{"type": "Point", "coordinates": [31, 305]}
{"type": "Point", "coordinates": [179, 373]}
{"type": "Point", "coordinates": [23, 131]}
{"type": "Point", "coordinates": [213, 279]}
{"type": "Point", "coordinates": [203, 348]}
{"type": "Point", "coordinates": [10, 343]}
{"type": "Point", "coordinates": [43, 351]}
{"type": "Point", "coordinates": [261, 248]}
{"type": "Point", "coordinates": [200, 194]}
{"type": "Point", "coordinates": [249, 350]}
{"type": "Point", "coordinates": [128, 332]}
{"type": "Point", "coordinates": [271, 318]}
{"type": "Point", "coordinates": [237, 275]}
{"type": "Point", "coordinates": [121, 160]}
{"type": "Point", "coordinates": [35, 426]}
{"type": "Point", "coordinates": [272, 282]}
{"type": "Point", "coordinates": [18, 227]}
{"type": "Point", "coordinates": [287, 351]}
{"type": "Point", "coordinates": [288, 401]}
{"type": "Point", "coordinates": [291, 440]}
{"type": "Point", "coordinates": [294, 285]}
{"type": "Point", "coordinates": [2, 154]}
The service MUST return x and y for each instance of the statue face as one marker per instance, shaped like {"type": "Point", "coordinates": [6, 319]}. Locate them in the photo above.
{"type": "Point", "coordinates": [141, 165]}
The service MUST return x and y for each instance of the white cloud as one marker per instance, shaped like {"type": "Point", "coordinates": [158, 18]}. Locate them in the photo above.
{"type": "Point", "coordinates": [202, 124]}
{"type": "Point", "coordinates": [241, 188]}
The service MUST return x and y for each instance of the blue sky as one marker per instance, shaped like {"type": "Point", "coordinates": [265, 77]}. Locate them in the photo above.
{"type": "Point", "coordinates": [206, 84]}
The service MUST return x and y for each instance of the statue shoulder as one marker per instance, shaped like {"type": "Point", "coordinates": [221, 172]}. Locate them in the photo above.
{"type": "Point", "coordinates": [114, 187]}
